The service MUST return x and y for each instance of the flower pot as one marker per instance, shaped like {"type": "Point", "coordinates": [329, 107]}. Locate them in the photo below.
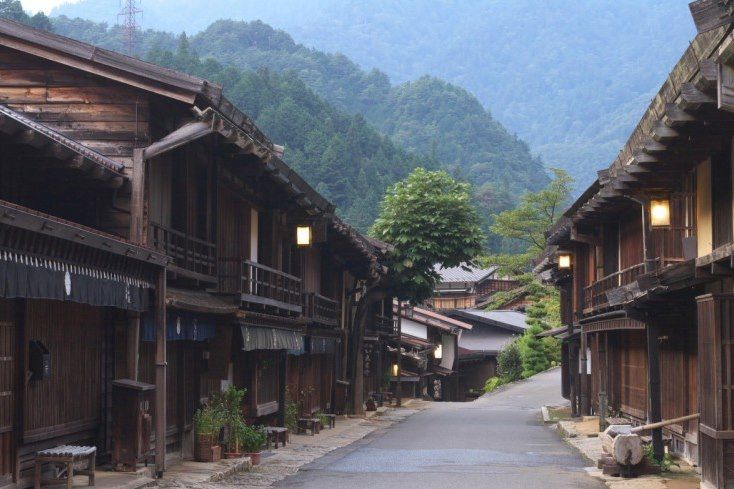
{"type": "Point", "coordinates": [206, 450]}
{"type": "Point", "coordinates": [229, 455]}
{"type": "Point", "coordinates": [254, 457]}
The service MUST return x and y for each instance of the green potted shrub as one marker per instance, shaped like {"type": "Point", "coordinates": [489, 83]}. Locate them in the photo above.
{"type": "Point", "coordinates": [229, 403]}
{"type": "Point", "coordinates": [235, 437]}
{"type": "Point", "coordinates": [207, 426]}
{"type": "Point", "coordinates": [253, 438]}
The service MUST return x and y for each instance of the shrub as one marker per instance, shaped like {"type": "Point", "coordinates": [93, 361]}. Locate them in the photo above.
{"type": "Point", "coordinates": [208, 420]}
{"type": "Point", "coordinates": [492, 383]}
{"type": "Point", "coordinates": [509, 363]}
{"type": "Point", "coordinates": [252, 438]}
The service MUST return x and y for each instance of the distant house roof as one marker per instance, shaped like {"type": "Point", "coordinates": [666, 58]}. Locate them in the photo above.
{"type": "Point", "coordinates": [463, 274]}
{"type": "Point", "coordinates": [512, 321]}
{"type": "Point", "coordinates": [432, 319]}
{"type": "Point", "coordinates": [492, 330]}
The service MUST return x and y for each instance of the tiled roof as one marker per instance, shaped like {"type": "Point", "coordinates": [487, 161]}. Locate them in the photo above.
{"type": "Point", "coordinates": [464, 274]}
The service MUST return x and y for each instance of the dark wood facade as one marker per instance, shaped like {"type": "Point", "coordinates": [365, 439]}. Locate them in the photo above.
{"type": "Point", "coordinates": [648, 308]}
{"type": "Point", "coordinates": [149, 185]}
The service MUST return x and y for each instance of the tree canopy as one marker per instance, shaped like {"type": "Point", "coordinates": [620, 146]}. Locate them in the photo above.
{"type": "Point", "coordinates": [430, 219]}
{"type": "Point", "coordinates": [527, 223]}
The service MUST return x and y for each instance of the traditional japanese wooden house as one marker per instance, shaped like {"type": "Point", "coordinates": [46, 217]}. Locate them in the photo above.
{"type": "Point", "coordinates": [142, 167]}
{"type": "Point", "coordinates": [643, 261]}
{"type": "Point", "coordinates": [464, 287]}
{"type": "Point", "coordinates": [479, 347]}
{"type": "Point", "coordinates": [429, 345]}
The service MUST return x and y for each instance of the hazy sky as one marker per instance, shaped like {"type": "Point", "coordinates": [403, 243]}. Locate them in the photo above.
{"type": "Point", "coordinates": [45, 5]}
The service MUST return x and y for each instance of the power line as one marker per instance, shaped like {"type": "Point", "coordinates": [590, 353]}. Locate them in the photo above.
{"type": "Point", "coordinates": [127, 18]}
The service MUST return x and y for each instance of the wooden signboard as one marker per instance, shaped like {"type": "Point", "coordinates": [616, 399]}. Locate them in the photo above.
{"type": "Point", "coordinates": [710, 14]}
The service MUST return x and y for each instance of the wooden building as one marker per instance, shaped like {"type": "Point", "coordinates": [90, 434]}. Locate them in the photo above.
{"type": "Point", "coordinates": [111, 170]}
{"type": "Point", "coordinates": [429, 345]}
{"type": "Point", "coordinates": [464, 287]}
{"type": "Point", "coordinates": [644, 258]}
{"type": "Point", "coordinates": [479, 347]}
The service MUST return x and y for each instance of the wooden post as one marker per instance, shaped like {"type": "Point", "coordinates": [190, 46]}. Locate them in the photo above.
{"type": "Point", "coordinates": [21, 355]}
{"type": "Point", "coordinates": [604, 372]}
{"type": "Point", "coordinates": [160, 374]}
{"type": "Point", "coordinates": [653, 381]}
{"type": "Point", "coordinates": [583, 368]}
{"type": "Point", "coordinates": [133, 345]}
{"type": "Point", "coordinates": [647, 236]}
{"type": "Point", "coordinates": [138, 224]}
{"type": "Point", "coordinates": [398, 361]}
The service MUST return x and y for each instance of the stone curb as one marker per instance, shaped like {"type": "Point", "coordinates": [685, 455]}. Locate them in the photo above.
{"type": "Point", "coordinates": [243, 465]}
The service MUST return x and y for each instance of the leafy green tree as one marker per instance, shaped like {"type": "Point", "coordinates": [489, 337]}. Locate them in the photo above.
{"type": "Point", "coordinates": [429, 218]}
{"type": "Point", "coordinates": [529, 220]}
{"type": "Point", "coordinates": [13, 10]}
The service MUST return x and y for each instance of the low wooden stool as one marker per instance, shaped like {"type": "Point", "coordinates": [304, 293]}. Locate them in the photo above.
{"type": "Point", "coordinates": [66, 455]}
{"type": "Point", "coordinates": [305, 424]}
{"type": "Point", "coordinates": [332, 420]}
{"type": "Point", "coordinates": [276, 435]}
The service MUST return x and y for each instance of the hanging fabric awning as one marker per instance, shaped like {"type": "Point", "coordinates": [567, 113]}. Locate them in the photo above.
{"type": "Point", "coordinates": [263, 338]}
{"type": "Point", "coordinates": [182, 325]}
{"type": "Point", "coordinates": [318, 345]}
{"type": "Point", "coordinates": [27, 277]}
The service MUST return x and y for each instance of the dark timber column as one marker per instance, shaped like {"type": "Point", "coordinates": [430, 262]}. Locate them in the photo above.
{"type": "Point", "coordinates": [716, 389]}
{"type": "Point", "coordinates": [653, 386]}
{"type": "Point", "coordinates": [583, 369]}
{"type": "Point", "coordinates": [601, 340]}
{"type": "Point", "coordinates": [160, 373]}
{"type": "Point", "coordinates": [399, 396]}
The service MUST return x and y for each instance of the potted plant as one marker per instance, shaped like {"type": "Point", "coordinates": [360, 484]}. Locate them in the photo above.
{"type": "Point", "coordinates": [253, 438]}
{"type": "Point", "coordinates": [207, 426]}
{"type": "Point", "coordinates": [235, 436]}
{"type": "Point", "coordinates": [229, 403]}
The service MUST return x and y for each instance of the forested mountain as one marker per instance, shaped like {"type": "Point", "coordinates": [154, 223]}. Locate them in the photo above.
{"type": "Point", "coordinates": [571, 77]}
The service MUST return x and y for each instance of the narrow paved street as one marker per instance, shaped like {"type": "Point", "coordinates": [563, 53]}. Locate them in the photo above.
{"type": "Point", "coordinates": [498, 441]}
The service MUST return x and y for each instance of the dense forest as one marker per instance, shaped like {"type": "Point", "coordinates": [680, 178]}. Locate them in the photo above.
{"type": "Point", "coordinates": [359, 133]}
{"type": "Point", "coordinates": [569, 77]}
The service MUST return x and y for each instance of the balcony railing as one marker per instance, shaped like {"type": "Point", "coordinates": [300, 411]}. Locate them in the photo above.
{"type": "Point", "coordinates": [258, 284]}
{"type": "Point", "coordinates": [189, 254]}
{"type": "Point", "coordinates": [595, 295]}
{"type": "Point", "coordinates": [386, 325]}
{"type": "Point", "coordinates": [321, 309]}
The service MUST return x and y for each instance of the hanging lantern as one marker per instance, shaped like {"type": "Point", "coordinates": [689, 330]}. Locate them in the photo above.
{"type": "Point", "coordinates": [564, 261]}
{"type": "Point", "coordinates": [660, 212]}
{"type": "Point", "coordinates": [438, 352]}
{"type": "Point", "coordinates": [395, 370]}
{"type": "Point", "coordinates": [303, 235]}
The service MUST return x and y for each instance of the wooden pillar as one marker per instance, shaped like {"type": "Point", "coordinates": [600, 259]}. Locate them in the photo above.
{"type": "Point", "coordinates": [584, 382]}
{"type": "Point", "coordinates": [653, 386]}
{"type": "Point", "coordinates": [133, 345]}
{"type": "Point", "coordinates": [21, 360]}
{"type": "Point", "coordinates": [138, 214]}
{"type": "Point", "coordinates": [603, 379]}
{"type": "Point", "coordinates": [160, 373]}
{"type": "Point", "coordinates": [282, 381]}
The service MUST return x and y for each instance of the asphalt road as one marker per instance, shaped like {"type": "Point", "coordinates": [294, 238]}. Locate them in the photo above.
{"type": "Point", "coordinates": [498, 441]}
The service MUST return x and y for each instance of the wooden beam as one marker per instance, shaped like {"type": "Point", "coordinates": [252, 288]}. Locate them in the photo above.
{"type": "Point", "coordinates": [675, 116]}
{"type": "Point", "coordinates": [707, 76]}
{"type": "Point", "coordinates": [663, 133]}
{"type": "Point", "coordinates": [138, 223]}
{"type": "Point", "coordinates": [719, 268]}
{"type": "Point", "coordinates": [160, 374]}
{"type": "Point", "coordinates": [710, 14]}
{"type": "Point", "coordinates": [691, 98]}
{"type": "Point", "coordinates": [183, 135]}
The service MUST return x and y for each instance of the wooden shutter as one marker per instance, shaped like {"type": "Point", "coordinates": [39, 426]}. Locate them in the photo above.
{"type": "Point", "coordinates": [7, 388]}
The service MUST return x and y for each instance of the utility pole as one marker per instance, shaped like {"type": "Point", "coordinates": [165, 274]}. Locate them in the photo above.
{"type": "Point", "coordinates": [128, 20]}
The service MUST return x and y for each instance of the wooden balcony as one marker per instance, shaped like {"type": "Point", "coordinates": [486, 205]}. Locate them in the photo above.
{"type": "Point", "coordinates": [260, 285]}
{"type": "Point", "coordinates": [595, 295]}
{"type": "Point", "coordinates": [321, 310]}
{"type": "Point", "coordinates": [386, 325]}
{"type": "Point", "coordinates": [192, 257]}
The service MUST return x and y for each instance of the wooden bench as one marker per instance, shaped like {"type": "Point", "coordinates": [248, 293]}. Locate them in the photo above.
{"type": "Point", "coordinates": [305, 424]}
{"type": "Point", "coordinates": [332, 420]}
{"type": "Point", "coordinates": [276, 435]}
{"type": "Point", "coordinates": [67, 456]}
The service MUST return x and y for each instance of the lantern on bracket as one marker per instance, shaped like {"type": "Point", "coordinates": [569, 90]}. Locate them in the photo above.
{"type": "Point", "coordinates": [304, 235]}
{"type": "Point", "coordinates": [438, 352]}
{"type": "Point", "coordinates": [395, 370]}
{"type": "Point", "coordinates": [660, 212]}
{"type": "Point", "coordinates": [564, 259]}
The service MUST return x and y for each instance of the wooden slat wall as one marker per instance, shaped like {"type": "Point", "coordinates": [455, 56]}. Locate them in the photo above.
{"type": "Point", "coordinates": [7, 387]}
{"type": "Point", "coordinates": [105, 116]}
{"type": "Point", "coordinates": [716, 388]}
{"type": "Point", "coordinates": [72, 396]}
{"type": "Point", "coordinates": [630, 240]}
{"type": "Point", "coordinates": [633, 373]}
{"type": "Point", "coordinates": [721, 194]}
